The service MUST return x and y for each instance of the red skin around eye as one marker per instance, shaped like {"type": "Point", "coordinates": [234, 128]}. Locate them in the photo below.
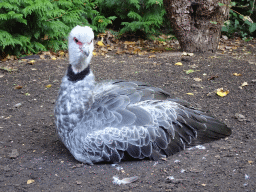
{"type": "Point", "coordinates": [78, 42]}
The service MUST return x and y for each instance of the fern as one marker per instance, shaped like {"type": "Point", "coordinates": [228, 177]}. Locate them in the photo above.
{"type": "Point", "coordinates": [31, 26]}
{"type": "Point", "coordinates": [142, 15]}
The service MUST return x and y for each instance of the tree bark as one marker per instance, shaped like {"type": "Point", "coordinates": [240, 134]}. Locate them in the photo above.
{"type": "Point", "coordinates": [197, 23]}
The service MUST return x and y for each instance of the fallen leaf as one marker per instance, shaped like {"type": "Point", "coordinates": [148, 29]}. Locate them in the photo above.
{"type": "Point", "coordinates": [178, 63]}
{"type": "Point", "coordinates": [100, 43]}
{"type": "Point", "coordinates": [18, 87]}
{"type": "Point", "coordinates": [197, 79]}
{"type": "Point", "coordinates": [61, 53]}
{"type": "Point", "coordinates": [30, 181]}
{"type": "Point", "coordinates": [244, 84]}
{"type": "Point", "coordinates": [48, 86]}
{"type": "Point", "coordinates": [189, 54]}
{"type": "Point", "coordinates": [251, 162]}
{"type": "Point", "coordinates": [41, 57]}
{"type": "Point", "coordinates": [129, 43]}
{"type": "Point", "coordinates": [237, 74]}
{"type": "Point", "coordinates": [212, 78]}
{"type": "Point", "coordinates": [53, 58]}
{"type": "Point", "coordinates": [190, 93]}
{"type": "Point", "coordinates": [221, 92]}
{"type": "Point", "coordinates": [32, 62]}
{"type": "Point", "coordinates": [190, 71]}
{"type": "Point", "coordinates": [151, 56]}
{"type": "Point", "coordinates": [27, 94]}
{"type": "Point", "coordinates": [94, 53]}
{"type": "Point", "coordinates": [203, 184]}
{"type": "Point", "coordinates": [9, 69]}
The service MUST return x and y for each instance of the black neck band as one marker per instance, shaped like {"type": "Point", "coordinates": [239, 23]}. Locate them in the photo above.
{"type": "Point", "coordinates": [79, 76]}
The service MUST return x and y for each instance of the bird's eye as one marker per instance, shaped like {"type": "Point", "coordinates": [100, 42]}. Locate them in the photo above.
{"type": "Point", "coordinates": [75, 39]}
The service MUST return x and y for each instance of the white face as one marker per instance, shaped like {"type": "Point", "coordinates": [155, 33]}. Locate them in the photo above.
{"type": "Point", "coordinates": [80, 47]}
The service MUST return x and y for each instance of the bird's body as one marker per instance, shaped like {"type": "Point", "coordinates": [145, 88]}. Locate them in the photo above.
{"type": "Point", "coordinates": [110, 120]}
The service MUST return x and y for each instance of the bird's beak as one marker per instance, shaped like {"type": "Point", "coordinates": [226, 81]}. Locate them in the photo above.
{"type": "Point", "coordinates": [85, 51]}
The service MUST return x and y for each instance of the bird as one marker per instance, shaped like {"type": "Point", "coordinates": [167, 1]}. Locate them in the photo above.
{"type": "Point", "coordinates": [115, 120]}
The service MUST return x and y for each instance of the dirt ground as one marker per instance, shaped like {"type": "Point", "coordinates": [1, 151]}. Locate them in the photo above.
{"type": "Point", "coordinates": [33, 159]}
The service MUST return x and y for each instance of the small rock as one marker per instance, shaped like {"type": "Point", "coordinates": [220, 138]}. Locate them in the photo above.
{"type": "Point", "coordinates": [14, 154]}
{"type": "Point", "coordinates": [196, 86]}
{"type": "Point", "coordinates": [240, 117]}
{"type": "Point", "coordinates": [5, 168]}
{"type": "Point", "coordinates": [17, 105]}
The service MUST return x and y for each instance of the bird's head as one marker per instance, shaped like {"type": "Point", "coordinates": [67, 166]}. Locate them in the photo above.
{"type": "Point", "coordinates": [80, 47]}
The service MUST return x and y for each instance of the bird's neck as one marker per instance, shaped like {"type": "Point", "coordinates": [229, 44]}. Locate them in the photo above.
{"type": "Point", "coordinates": [77, 76]}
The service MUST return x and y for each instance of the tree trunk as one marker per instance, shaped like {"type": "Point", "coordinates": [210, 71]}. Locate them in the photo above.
{"type": "Point", "coordinates": [197, 23]}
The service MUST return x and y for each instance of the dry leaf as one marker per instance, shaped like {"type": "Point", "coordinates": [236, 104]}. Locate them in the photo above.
{"type": "Point", "coordinates": [212, 78]}
{"type": "Point", "coordinates": [190, 93]}
{"type": "Point", "coordinates": [151, 56]}
{"type": "Point", "coordinates": [32, 62]}
{"type": "Point", "coordinates": [24, 60]}
{"type": "Point", "coordinates": [244, 84]}
{"type": "Point", "coordinates": [221, 92]}
{"type": "Point", "coordinates": [48, 86]}
{"type": "Point", "coordinates": [61, 53]}
{"type": "Point", "coordinates": [189, 54]}
{"type": "Point", "coordinates": [100, 43]}
{"type": "Point", "coordinates": [9, 69]}
{"type": "Point", "coordinates": [251, 162]}
{"type": "Point", "coordinates": [178, 63]}
{"type": "Point", "coordinates": [30, 181]}
{"type": "Point", "coordinates": [94, 53]}
{"type": "Point", "coordinates": [203, 184]}
{"type": "Point", "coordinates": [189, 71]}
{"type": "Point", "coordinates": [53, 58]}
{"type": "Point", "coordinates": [237, 74]}
{"type": "Point", "coordinates": [197, 79]}
{"type": "Point", "coordinates": [129, 43]}
{"type": "Point", "coordinates": [18, 87]}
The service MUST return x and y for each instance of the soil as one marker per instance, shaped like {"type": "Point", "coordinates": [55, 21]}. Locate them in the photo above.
{"type": "Point", "coordinates": [33, 159]}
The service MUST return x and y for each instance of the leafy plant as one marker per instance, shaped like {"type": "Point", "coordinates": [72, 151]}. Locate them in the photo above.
{"type": "Point", "coordinates": [135, 15]}
{"type": "Point", "coordinates": [30, 26]}
{"type": "Point", "coordinates": [240, 22]}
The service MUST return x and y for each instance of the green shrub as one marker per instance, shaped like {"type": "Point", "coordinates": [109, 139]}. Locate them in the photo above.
{"type": "Point", "coordinates": [135, 15]}
{"type": "Point", "coordinates": [30, 26]}
{"type": "Point", "coordinates": [239, 23]}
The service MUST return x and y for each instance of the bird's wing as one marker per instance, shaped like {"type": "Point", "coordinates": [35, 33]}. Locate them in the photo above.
{"type": "Point", "coordinates": [127, 117]}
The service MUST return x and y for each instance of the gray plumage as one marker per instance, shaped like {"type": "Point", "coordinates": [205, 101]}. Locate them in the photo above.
{"type": "Point", "coordinates": [108, 121]}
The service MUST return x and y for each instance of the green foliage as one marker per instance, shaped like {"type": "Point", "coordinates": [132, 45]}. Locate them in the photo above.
{"type": "Point", "coordinates": [135, 15]}
{"type": "Point", "coordinates": [239, 23]}
{"type": "Point", "coordinates": [31, 26]}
